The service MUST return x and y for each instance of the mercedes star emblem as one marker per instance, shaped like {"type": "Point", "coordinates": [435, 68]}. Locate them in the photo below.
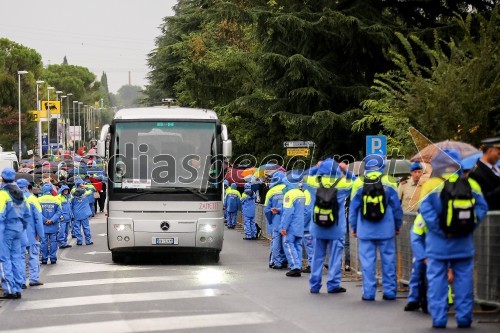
{"type": "Point", "coordinates": [165, 226]}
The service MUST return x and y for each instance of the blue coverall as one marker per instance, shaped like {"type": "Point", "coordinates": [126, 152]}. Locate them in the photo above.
{"type": "Point", "coordinates": [274, 199]}
{"type": "Point", "coordinates": [454, 252]}
{"type": "Point", "coordinates": [34, 233]}
{"type": "Point", "coordinates": [66, 217]}
{"type": "Point", "coordinates": [90, 198]}
{"type": "Point", "coordinates": [307, 238]}
{"type": "Point", "coordinates": [292, 222]}
{"type": "Point", "coordinates": [248, 212]}
{"type": "Point", "coordinates": [233, 205]}
{"type": "Point", "coordinates": [14, 219]}
{"type": "Point", "coordinates": [417, 238]}
{"type": "Point", "coordinates": [51, 212]}
{"type": "Point", "coordinates": [81, 213]}
{"type": "Point", "coordinates": [380, 234]}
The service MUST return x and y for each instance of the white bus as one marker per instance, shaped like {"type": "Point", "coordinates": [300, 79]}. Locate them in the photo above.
{"type": "Point", "coordinates": [165, 175]}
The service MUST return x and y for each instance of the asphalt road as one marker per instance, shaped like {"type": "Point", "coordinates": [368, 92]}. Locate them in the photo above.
{"type": "Point", "coordinates": [86, 292]}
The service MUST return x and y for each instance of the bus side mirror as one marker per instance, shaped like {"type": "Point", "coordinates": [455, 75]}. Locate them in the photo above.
{"type": "Point", "coordinates": [227, 148]}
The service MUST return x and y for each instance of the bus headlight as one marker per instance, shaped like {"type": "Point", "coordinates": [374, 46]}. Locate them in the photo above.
{"type": "Point", "coordinates": [207, 227]}
{"type": "Point", "coordinates": [122, 227]}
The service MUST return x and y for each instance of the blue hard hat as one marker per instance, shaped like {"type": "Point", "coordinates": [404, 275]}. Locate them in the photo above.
{"type": "Point", "coordinates": [416, 166]}
{"type": "Point", "coordinates": [8, 174]}
{"type": "Point", "coordinates": [248, 186]}
{"type": "Point", "coordinates": [374, 162]}
{"type": "Point", "coordinates": [329, 167]}
{"type": "Point", "coordinates": [46, 188]}
{"type": "Point", "coordinates": [22, 183]}
{"type": "Point", "coordinates": [234, 186]}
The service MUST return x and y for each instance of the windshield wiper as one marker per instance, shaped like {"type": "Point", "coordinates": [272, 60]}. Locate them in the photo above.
{"type": "Point", "coordinates": [195, 192]}
{"type": "Point", "coordinates": [167, 190]}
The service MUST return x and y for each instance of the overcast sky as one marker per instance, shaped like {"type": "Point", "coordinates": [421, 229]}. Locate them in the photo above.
{"type": "Point", "coordinates": [114, 36]}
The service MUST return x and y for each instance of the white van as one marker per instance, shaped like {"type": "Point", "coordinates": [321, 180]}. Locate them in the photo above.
{"type": "Point", "coordinates": [8, 159]}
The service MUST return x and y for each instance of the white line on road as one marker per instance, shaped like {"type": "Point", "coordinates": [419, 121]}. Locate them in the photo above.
{"type": "Point", "coordinates": [82, 283]}
{"type": "Point", "coordinates": [115, 298]}
{"type": "Point", "coordinates": [93, 253]}
{"type": "Point", "coordinates": [72, 267]}
{"type": "Point", "coordinates": [157, 324]}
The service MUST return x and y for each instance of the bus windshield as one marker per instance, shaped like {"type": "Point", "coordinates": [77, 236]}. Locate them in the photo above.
{"type": "Point", "coordinates": [156, 155]}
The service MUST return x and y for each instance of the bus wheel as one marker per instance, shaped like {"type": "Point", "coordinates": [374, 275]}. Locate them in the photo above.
{"type": "Point", "coordinates": [216, 257]}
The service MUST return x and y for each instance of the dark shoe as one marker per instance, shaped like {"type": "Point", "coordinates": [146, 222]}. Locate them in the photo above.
{"type": "Point", "coordinates": [387, 298]}
{"type": "Point", "coordinates": [73, 236]}
{"type": "Point", "coordinates": [277, 267]}
{"type": "Point", "coordinates": [8, 296]}
{"type": "Point", "coordinates": [255, 238]}
{"type": "Point", "coordinates": [412, 306]}
{"type": "Point", "coordinates": [293, 273]}
{"type": "Point", "coordinates": [79, 244]}
{"type": "Point", "coordinates": [24, 286]}
{"type": "Point", "coordinates": [367, 299]}
{"type": "Point", "coordinates": [53, 262]}
{"type": "Point", "coordinates": [337, 290]}
{"type": "Point", "coordinates": [44, 263]}
{"type": "Point", "coordinates": [306, 270]}
{"type": "Point", "coordinates": [65, 246]}
{"type": "Point", "coordinates": [36, 284]}
{"type": "Point", "coordinates": [18, 295]}
{"type": "Point", "coordinates": [438, 326]}
{"type": "Point", "coordinates": [326, 266]}
{"type": "Point", "coordinates": [91, 243]}
{"type": "Point", "coordinates": [314, 291]}
{"type": "Point", "coordinates": [464, 325]}
{"type": "Point", "coordinates": [247, 238]}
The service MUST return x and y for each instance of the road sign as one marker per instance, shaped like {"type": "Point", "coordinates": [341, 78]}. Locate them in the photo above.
{"type": "Point", "coordinates": [298, 144]}
{"type": "Point", "coordinates": [53, 106]}
{"type": "Point", "coordinates": [75, 133]}
{"type": "Point", "coordinates": [298, 152]}
{"type": "Point", "coordinates": [376, 144]}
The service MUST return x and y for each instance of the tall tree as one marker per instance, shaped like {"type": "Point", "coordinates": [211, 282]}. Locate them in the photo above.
{"type": "Point", "coordinates": [65, 61]}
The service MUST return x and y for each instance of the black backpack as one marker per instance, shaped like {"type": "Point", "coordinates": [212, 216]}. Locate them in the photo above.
{"type": "Point", "coordinates": [374, 201]}
{"type": "Point", "coordinates": [326, 206]}
{"type": "Point", "coordinates": [457, 217]}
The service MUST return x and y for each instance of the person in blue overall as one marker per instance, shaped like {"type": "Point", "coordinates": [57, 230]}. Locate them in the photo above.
{"type": "Point", "coordinates": [91, 200]}
{"type": "Point", "coordinates": [232, 203]}
{"type": "Point", "coordinates": [248, 212]}
{"type": "Point", "coordinates": [292, 227]}
{"type": "Point", "coordinates": [34, 233]}
{"type": "Point", "coordinates": [330, 238]}
{"type": "Point", "coordinates": [307, 238]}
{"type": "Point", "coordinates": [51, 212]}
{"type": "Point", "coordinates": [380, 233]}
{"type": "Point", "coordinates": [14, 218]}
{"type": "Point", "coordinates": [445, 250]}
{"type": "Point", "coordinates": [226, 186]}
{"type": "Point", "coordinates": [273, 207]}
{"type": "Point", "coordinates": [66, 217]}
{"type": "Point", "coordinates": [81, 213]}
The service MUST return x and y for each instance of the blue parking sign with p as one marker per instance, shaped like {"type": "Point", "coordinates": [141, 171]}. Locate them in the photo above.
{"type": "Point", "coordinates": [376, 144]}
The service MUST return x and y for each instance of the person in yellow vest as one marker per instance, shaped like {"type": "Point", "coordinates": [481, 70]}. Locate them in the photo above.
{"type": "Point", "coordinates": [232, 203]}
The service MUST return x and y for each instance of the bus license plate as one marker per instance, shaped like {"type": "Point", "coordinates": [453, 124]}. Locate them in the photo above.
{"type": "Point", "coordinates": [165, 241]}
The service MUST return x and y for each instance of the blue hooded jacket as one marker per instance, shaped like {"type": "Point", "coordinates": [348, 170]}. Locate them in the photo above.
{"type": "Point", "coordinates": [329, 174]}
{"type": "Point", "coordinates": [292, 219]}
{"type": "Point", "coordinates": [51, 209]}
{"type": "Point", "coordinates": [438, 246]}
{"type": "Point", "coordinates": [274, 199]}
{"type": "Point", "coordinates": [14, 213]}
{"type": "Point", "coordinates": [393, 217]}
{"type": "Point", "coordinates": [67, 214]}
{"type": "Point", "coordinates": [232, 202]}
{"type": "Point", "coordinates": [80, 204]}
{"type": "Point", "coordinates": [248, 202]}
{"type": "Point", "coordinates": [35, 225]}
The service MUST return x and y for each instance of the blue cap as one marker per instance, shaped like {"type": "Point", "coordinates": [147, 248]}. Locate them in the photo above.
{"type": "Point", "coordinates": [248, 186]}
{"type": "Point", "coordinates": [8, 175]}
{"type": "Point", "coordinates": [47, 188]}
{"type": "Point", "coordinates": [226, 182]}
{"type": "Point", "coordinates": [22, 183]}
{"type": "Point", "coordinates": [415, 166]}
{"type": "Point", "coordinates": [234, 186]}
{"type": "Point", "coordinates": [374, 162]}
{"type": "Point", "coordinates": [446, 161]}
{"type": "Point", "coordinates": [277, 178]}
{"type": "Point", "coordinates": [329, 167]}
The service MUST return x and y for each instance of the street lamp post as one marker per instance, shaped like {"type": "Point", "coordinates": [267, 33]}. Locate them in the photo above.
{"type": "Point", "coordinates": [62, 122]}
{"type": "Point", "coordinates": [74, 125]}
{"type": "Point", "coordinates": [58, 98]}
{"type": "Point", "coordinates": [79, 124]}
{"type": "Point", "coordinates": [39, 120]}
{"type": "Point", "coordinates": [66, 121]}
{"type": "Point", "coordinates": [19, 73]}
{"type": "Point", "coordinates": [49, 117]}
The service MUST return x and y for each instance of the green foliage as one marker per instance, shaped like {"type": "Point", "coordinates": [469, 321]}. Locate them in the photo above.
{"type": "Point", "coordinates": [129, 96]}
{"type": "Point", "coordinates": [452, 94]}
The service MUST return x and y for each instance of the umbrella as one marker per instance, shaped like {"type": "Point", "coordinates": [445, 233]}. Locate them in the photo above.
{"type": "Point", "coordinates": [427, 154]}
{"type": "Point", "coordinates": [267, 169]}
{"type": "Point", "coordinates": [27, 176]}
{"type": "Point", "coordinates": [392, 167]}
{"type": "Point", "coordinates": [248, 171]}
{"type": "Point", "coordinates": [233, 175]}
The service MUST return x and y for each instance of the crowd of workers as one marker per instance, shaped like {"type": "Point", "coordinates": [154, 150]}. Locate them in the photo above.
{"type": "Point", "coordinates": [312, 210]}
{"type": "Point", "coordinates": [37, 226]}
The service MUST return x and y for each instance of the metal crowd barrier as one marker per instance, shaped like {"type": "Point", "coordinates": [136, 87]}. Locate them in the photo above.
{"type": "Point", "coordinates": [487, 256]}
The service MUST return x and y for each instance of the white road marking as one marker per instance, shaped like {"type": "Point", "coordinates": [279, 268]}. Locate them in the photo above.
{"type": "Point", "coordinates": [153, 324]}
{"type": "Point", "coordinates": [115, 298]}
{"type": "Point", "coordinates": [76, 267]}
{"type": "Point", "coordinates": [93, 253]}
{"type": "Point", "coordinates": [96, 282]}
